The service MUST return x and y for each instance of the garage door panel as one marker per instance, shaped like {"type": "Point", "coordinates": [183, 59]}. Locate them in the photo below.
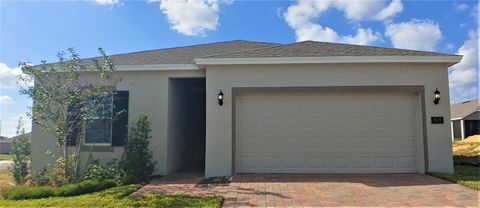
{"type": "Point", "coordinates": [326, 133]}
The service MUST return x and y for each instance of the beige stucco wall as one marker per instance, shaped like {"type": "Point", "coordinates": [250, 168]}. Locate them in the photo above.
{"type": "Point", "coordinates": [219, 118]}
{"type": "Point", "coordinates": [149, 95]}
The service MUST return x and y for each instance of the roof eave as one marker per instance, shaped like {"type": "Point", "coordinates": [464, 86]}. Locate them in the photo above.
{"type": "Point", "coordinates": [450, 60]}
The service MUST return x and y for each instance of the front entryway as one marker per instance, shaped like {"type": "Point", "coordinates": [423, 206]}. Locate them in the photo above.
{"type": "Point", "coordinates": [327, 132]}
{"type": "Point", "coordinates": [186, 128]}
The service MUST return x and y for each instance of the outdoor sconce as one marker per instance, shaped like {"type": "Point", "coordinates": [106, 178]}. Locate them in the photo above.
{"type": "Point", "coordinates": [436, 96]}
{"type": "Point", "coordinates": [220, 98]}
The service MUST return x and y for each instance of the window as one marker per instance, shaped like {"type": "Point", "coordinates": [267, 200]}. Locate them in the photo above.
{"type": "Point", "coordinates": [98, 129]}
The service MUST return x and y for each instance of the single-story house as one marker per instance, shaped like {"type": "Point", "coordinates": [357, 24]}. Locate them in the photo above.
{"type": "Point", "coordinates": [307, 107]}
{"type": "Point", "coordinates": [465, 119]}
{"type": "Point", "coordinates": [6, 145]}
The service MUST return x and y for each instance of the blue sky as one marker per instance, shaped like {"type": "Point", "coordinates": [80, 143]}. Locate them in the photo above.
{"type": "Point", "coordinates": [36, 30]}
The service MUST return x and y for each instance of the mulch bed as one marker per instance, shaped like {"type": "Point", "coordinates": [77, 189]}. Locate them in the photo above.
{"type": "Point", "coordinates": [214, 181]}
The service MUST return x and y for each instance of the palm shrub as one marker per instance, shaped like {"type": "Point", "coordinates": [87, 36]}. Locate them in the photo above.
{"type": "Point", "coordinates": [136, 161]}
{"type": "Point", "coordinates": [21, 155]}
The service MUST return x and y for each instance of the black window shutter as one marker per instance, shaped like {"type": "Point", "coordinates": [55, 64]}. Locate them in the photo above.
{"type": "Point", "coordinates": [120, 122]}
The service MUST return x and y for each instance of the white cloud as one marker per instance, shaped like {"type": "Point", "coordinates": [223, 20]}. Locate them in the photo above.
{"type": "Point", "coordinates": [192, 17]}
{"type": "Point", "coordinates": [5, 99]}
{"type": "Point", "coordinates": [8, 76]}
{"type": "Point", "coordinates": [107, 2]}
{"type": "Point", "coordinates": [9, 125]}
{"type": "Point", "coordinates": [464, 77]}
{"type": "Point", "coordinates": [461, 6]}
{"type": "Point", "coordinates": [301, 17]}
{"type": "Point", "coordinates": [415, 34]}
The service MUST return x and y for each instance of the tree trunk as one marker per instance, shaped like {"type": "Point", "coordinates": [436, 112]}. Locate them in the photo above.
{"type": "Point", "coordinates": [65, 155]}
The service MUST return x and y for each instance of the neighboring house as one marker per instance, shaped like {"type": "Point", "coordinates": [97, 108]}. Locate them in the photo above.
{"type": "Point", "coordinates": [6, 145]}
{"type": "Point", "coordinates": [307, 107]}
{"type": "Point", "coordinates": [465, 117]}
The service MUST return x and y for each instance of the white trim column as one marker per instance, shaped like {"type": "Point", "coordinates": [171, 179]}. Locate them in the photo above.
{"type": "Point", "coordinates": [451, 129]}
{"type": "Point", "coordinates": [462, 129]}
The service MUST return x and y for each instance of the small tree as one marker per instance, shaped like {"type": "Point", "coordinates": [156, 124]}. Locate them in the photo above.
{"type": "Point", "coordinates": [136, 161]}
{"type": "Point", "coordinates": [21, 154]}
{"type": "Point", "coordinates": [62, 101]}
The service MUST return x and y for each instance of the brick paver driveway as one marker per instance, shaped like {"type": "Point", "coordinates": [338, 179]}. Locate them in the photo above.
{"type": "Point", "coordinates": [319, 190]}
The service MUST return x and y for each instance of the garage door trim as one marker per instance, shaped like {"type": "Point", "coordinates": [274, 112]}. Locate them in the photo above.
{"type": "Point", "coordinates": [422, 149]}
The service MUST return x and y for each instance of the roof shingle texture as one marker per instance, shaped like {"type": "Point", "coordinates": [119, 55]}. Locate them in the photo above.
{"type": "Point", "coordinates": [464, 109]}
{"type": "Point", "coordinates": [184, 55]}
{"type": "Point", "coordinates": [322, 49]}
{"type": "Point", "coordinates": [250, 49]}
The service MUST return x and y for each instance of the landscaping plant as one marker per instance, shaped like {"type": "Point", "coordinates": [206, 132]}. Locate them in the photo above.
{"type": "Point", "coordinates": [84, 187]}
{"type": "Point", "coordinates": [95, 171]}
{"type": "Point", "coordinates": [21, 154]}
{"type": "Point", "coordinates": [62, 103]}
{"type": "Point", "coordinates": [136, 161]}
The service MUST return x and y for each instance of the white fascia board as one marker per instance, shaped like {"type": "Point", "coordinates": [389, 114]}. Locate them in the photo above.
{"type": "Point", "coordinates": [157, 67]}
{"type": "Point", "coordinates": [330, 60]}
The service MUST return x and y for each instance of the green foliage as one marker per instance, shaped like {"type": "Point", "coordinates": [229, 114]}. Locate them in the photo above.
{"type": "Point", "coordinates": [20, 154]}
{"type": "Point", "coordinates": [62, 100]}
{"type": "Point", "coordinates": [464, 175]}
{"type": "Point", "coordinates": [22, 192]}
{"type": "Point", "coordinates": [95, 171]}
{"type": "Point", "coordinates": [118, 197]}
{"type": "Point", "coordinates": [136, 161]}
{"type": "Point", "coordinates": [41, 177]}
{"type": "Point", "coordinates": [57, 175]}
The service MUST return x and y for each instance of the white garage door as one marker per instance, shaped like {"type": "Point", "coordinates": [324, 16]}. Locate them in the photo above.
{"type": "Point", "coordinates": [326, 132]}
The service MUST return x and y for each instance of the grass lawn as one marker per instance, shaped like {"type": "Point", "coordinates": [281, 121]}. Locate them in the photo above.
{"type": "Point", "coordinates": [118, 197]}
{"type": "Point", "coordinates": [5, 157]}
{"type": "Point", "coordinates": [464, 175]}
{"type": "Point", "coordinates": [6, 179]}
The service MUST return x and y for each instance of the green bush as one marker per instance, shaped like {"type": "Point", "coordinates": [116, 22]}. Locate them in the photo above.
{"type": "Point", "coordinates": [22, 192]}
{"type": "Point", "coordinates": [95, 171]}
{"type": "Point", "coordinates": [84, 187]}
{"type": "Point", "coordinates": [136, 161]}
{"type": "Point", "coordinates": [20, 154]}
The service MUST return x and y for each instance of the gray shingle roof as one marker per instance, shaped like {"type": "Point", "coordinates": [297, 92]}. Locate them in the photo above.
{"type": "Point", "coordinates": [321, 49]}
{"type": "Point", "coordinates": [463, 109]}
{"type": "Point", "coordinates": [185, 54]}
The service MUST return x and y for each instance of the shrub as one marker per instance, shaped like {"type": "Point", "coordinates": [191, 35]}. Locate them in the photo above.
{"type": "Point", "coordinates": [57, 175]}
{"type": "Point", "coordinates": [136, 161]}
{"type": "Point", "coordinates": [83, 187]}
{"type": "Point", "coordinates": [21, 154]}
{"type": "Point", "coordinates": [95, 171]}
{"type": "Point", "coordinates": [22, 192]}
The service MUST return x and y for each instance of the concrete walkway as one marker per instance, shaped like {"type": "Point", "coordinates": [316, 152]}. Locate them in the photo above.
{"type": "Point", "coordinates": [319, 190]}
{"type": "Point", "coordinates": [4, 164]}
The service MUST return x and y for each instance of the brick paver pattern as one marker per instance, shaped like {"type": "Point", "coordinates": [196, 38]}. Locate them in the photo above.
{"type": "Point", "coordinates": [320, 190]}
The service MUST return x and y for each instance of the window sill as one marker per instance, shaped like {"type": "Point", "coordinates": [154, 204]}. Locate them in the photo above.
{"type": "Point", "coordinates": [96, 148]}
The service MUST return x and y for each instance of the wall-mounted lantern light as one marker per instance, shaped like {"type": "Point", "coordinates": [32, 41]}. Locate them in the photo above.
{"type": "Point", "coordinates": [436, 96]}
{"type": "Point", "coordinates": [220, 98]}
